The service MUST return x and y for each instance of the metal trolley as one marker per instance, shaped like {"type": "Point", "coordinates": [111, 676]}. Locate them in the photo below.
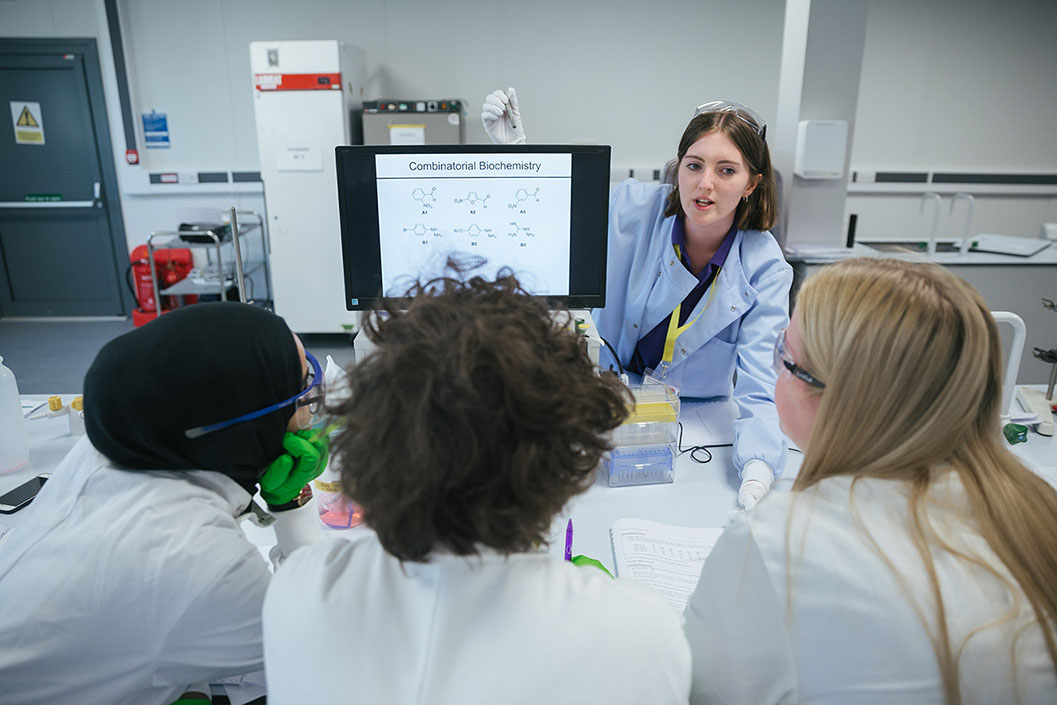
{"type": "Point", "coordinates": [215, 278]}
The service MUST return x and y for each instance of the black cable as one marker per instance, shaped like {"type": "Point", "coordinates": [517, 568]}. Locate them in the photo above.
{"type": "Point", "coordinates": [694, 450]}
{"type": "Point", "coordinates": [613, 352]}
{"type": "Point", "coordinates": [128, 282]}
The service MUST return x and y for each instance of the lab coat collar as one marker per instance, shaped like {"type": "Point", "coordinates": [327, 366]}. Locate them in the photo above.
{"type": "Point", "coordinates": [734, 295]}
{"type": "Point", "coordinates": [717, 260]}
{"type": "Point", "coordinates": [232, 493]}
{"type": "Point", "coordinates": [442, 560]}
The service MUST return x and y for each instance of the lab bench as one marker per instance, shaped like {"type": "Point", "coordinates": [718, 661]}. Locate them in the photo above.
{"type": "Point", "coordinates": [1007, 283]}
{"type": "Point", "coordinates": [701, 494]}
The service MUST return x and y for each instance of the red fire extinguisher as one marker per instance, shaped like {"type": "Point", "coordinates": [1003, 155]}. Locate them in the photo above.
{"type": "Point", "coordinates": [172, 265]}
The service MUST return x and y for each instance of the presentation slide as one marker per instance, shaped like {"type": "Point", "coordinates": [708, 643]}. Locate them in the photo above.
{"type": "Point", "coordinates": [511, 210]}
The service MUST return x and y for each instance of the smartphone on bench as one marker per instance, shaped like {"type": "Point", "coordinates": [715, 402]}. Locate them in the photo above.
{"type": "Point", "coordinates": [22, 495]}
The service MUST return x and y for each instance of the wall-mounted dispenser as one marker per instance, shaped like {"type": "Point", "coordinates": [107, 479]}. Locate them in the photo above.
{"type": "Point", "coordinates": [820, 149]}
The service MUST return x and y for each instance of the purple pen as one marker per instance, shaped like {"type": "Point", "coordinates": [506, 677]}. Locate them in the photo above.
{"type": "Point", "coordinates": [569, 540]}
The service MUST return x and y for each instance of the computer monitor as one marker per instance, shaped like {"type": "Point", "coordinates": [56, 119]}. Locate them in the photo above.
{"type": "Point", "coordinates": [539, 210]}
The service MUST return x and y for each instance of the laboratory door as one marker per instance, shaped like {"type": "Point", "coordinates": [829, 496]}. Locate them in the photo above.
{"type": "Point", "coordinates": [62, 243]}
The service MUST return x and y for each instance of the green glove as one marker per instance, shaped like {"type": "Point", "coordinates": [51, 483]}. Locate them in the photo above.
{"type": "Point", "coordinates": [581, 561]}
{"type": "Point", "coordinates": [304, 460]}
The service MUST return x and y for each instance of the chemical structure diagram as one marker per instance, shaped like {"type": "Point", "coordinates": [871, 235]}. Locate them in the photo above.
{"type": "Point", "coordinates": [421, 230]}
{"type": "Point", "coordinates": [523, 194]}
{"type": "Point", "coordinates": [475, 231]}
{"type": "Point", "coordinates": [517, 230]}
{"type": "Point", "coordinates": [473, 199]}
{"type": "Point", "coordinates": [427, 199]}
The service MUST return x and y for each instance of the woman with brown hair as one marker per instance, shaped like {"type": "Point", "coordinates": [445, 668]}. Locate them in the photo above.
{"type": "Point", "coordinates": [469, 427]}
{"type": "Point", "coordinates": [696, 286]}
{"type": "Point", "coordinates": [915, 559]}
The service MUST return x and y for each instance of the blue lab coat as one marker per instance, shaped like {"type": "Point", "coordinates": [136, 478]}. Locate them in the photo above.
{"type": "Point", "coordinates": [750, 307]}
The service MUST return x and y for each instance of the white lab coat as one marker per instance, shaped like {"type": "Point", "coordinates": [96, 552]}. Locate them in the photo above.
{"type": "Point", "coordinates": [347, 623]}
{"type": "Point", "coordinates": [124, 587]}
{"type": "Point", "coordinates": [750, 307]}
{"type": "Point", "coordinates": [853, 636]}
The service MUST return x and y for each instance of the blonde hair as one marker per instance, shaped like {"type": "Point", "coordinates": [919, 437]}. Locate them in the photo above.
{"type": "Point", "coordinates": [911, 358]}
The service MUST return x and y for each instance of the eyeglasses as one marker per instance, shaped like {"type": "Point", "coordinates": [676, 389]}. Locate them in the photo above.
{"type": "Point", "coordinates": [746, 115]}
{"type": "Point", "coordinates": [312, 396]}
{"type": "Point", "coordinates": [781, 359]}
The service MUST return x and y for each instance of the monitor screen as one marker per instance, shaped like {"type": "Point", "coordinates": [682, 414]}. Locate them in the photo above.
{"type": "Point", "coordinates": [539, 210]}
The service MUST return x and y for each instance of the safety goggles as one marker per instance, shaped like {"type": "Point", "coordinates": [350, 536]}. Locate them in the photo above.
{"type": "Point", "coordinates": [781, 359]}
{"type": "Point", "coordinates": [746, 115]}
{"type": "Point", "coordinates": [312, 396]}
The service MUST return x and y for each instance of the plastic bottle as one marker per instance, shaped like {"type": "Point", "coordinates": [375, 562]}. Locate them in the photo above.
{"type": "Point", "coordinates": [76, 416]}
{"type": "Point", "coordinates": [335, 509]}
{"type": "Point", "coordinates": [14, 443]}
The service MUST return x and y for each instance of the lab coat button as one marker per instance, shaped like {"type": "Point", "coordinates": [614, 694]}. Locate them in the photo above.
{"type": "Point", "coordinates": [671, 263]}
{"type": "Point", "coordinates": [733, 308]}
{"type": "Point", "coordinates": [634, 325]}
{"type": "Point", "coordinates": [682, 350]}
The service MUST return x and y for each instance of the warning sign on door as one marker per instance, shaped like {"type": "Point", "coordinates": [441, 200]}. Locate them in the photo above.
{"type": "Point", "coordinates": [28, 122]}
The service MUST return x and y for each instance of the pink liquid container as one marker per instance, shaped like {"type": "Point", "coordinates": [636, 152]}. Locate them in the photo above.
{"type": "Point", "coordinates": [335, 509]}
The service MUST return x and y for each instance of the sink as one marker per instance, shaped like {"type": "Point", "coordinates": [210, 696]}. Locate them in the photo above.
{"type": "Point", "coordinates": [913, 246]}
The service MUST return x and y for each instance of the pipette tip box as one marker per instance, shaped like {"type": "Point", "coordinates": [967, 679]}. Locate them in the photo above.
{"type": "Point", "coordinates": [644, 446]}
{"type": "Point", "coordinates": [640, 465]}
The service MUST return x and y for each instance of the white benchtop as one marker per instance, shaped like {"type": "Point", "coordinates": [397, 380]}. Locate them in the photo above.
{"type": "Point", "coordinates": [818, 254]}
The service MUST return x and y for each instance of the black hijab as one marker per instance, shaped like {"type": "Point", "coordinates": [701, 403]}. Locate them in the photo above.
{"type": "Point", "coordinates": [196, 365]}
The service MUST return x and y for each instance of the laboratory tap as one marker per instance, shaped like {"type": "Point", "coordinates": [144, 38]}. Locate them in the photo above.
{"type": "Point", "coordinates": [925, 198]}
{"type": "Point", "coordinates": [968, 197]}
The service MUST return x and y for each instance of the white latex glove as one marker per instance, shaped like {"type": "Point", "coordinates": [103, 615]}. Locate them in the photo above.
{"type": "Point", "coordinates": [756, 478]}
{"type": "Point", "coordinates": [198, 689]}
{"type": "Point", "coordinates": [295, 528]}
{"type": "Point", "coordinates": [501, 118]}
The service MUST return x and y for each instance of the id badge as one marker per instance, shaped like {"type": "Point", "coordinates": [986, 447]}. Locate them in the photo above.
{"type": "Point", "coordinates": [659, 376]}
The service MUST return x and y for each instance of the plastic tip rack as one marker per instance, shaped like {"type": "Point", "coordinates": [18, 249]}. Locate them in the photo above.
{"type": "Point", "coordinates": [644, 446]}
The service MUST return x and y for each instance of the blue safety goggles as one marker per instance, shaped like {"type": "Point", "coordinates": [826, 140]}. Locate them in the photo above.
{"type": "Point", "coordinates": [311, 396]}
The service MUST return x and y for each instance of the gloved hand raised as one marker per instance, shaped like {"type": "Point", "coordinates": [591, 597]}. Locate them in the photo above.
{"type": "Point", "coordinates": [305, 458]}
{"type": "Point", "coordinates": [501, 118]}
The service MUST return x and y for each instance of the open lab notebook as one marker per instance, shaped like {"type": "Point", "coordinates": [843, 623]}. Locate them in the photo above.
{"type": "Point", "coordinates": [665, 558]}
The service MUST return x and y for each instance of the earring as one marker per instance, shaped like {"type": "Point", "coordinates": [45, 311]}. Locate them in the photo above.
{"type": "Point", "coordinates": [744, 199]}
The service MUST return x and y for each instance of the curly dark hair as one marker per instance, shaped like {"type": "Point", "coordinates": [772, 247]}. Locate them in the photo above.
{"type": "Point", "coordinates": [475, 420]}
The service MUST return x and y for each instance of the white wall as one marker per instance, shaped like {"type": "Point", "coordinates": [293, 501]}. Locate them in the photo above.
{"type": "Point", "coordinates": [958, 85]}
{"type": "Point", "coordinates": [646, 65]}
{"type": "Point", "coordinates": [614, 72]}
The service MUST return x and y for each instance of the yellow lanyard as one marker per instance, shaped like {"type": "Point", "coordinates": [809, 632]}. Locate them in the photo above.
{"type": "Point", "coordinates": [675, 330]}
